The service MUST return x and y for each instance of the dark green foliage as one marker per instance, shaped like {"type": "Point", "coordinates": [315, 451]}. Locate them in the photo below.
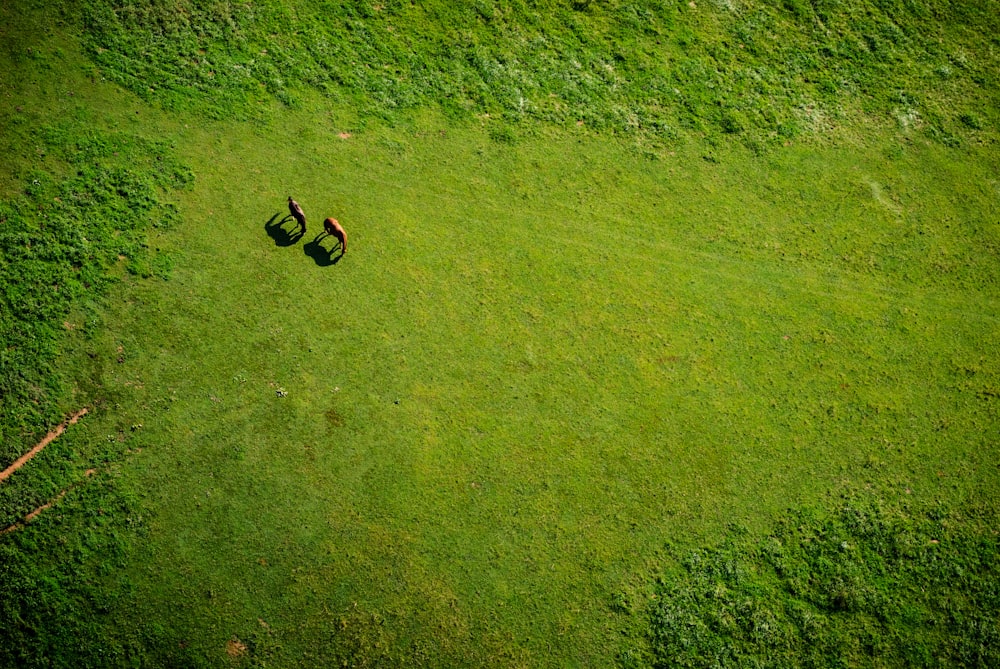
{"type": "Point", "coordinates": [867, 585]}
{"type": "Point", "coordinates": [56, 584]}
{"type": "Point", "coordinates": [61, 243]}
{"type": "Point", "coordinates": [642, 69]}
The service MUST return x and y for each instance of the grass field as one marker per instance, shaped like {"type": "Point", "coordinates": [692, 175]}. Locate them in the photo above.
{"type": "Point", "coordinates": [553, 359]}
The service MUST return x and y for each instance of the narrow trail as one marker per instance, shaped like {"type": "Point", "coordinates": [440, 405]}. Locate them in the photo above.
{"type": "Point", "coordinates": [31, 516]}
{"type": "Point", "coordinates": [49, 438]}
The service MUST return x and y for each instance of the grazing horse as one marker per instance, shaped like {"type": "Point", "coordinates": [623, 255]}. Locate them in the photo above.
{"type": "Point", "coordinates": [297, 213]}
{"type": "Point", "coordinates": [334, 229]}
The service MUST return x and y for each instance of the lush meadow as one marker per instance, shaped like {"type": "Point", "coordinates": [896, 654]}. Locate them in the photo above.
{"type": "Point", "coordinates": [667, 335]}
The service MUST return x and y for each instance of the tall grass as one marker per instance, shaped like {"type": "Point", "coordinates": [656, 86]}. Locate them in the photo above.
{"type": "Point", "coordinates": [869, 584]}
{"type": "Point", "coordinates": [62, 242]}
{"type": "Point", "coordinates": [650, 71]}
{"type": "Point", "coordinates": [79, 199]}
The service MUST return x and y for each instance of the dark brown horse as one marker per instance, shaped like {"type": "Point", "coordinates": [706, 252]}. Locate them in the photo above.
{"type": "Point", "coordinates": [297, 213]}
{"type": "Point", "coordinates": [334, 229]}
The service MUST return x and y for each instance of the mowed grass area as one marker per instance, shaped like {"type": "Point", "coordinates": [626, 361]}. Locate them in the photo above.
{"type": "Point", "coordinates": [472, 439]}
{"type": "Point", "coordinates": [536, 366]}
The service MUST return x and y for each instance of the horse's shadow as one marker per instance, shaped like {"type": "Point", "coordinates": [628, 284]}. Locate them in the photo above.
{"type": "Point", "coordinates": [275, 229]}
{"type": "Point", "coordinates": [320, 255]}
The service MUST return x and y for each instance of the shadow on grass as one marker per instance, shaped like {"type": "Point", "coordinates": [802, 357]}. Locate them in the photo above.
{"type": "Point", "coordinates": [275, 230]}
{"type": "Point", "coordinates": [320, 255]}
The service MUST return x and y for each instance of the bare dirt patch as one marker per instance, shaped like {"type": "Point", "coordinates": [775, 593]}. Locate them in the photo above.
{"type": "Point", "coordinates": [235, 648]}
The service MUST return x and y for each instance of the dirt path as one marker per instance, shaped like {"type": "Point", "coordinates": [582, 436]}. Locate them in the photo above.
{"type": "Point", "coordinates": [31, 516]}
{"type": "Point", "coordinates": [42, 444]}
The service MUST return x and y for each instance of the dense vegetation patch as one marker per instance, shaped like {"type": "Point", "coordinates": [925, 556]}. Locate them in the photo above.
{"type": "Point", "coordinates": [78, 225]}
{"type": "Point", "coordinates": [868, 585]}
{"type": "Point", "coordinates": [62, 241]}
{"type": "Point", "coordinates": [761, 71]}
{"type": "Point", "coordinates": [55, 585]}
{"type": "Point", "coordinates": [78, 206]}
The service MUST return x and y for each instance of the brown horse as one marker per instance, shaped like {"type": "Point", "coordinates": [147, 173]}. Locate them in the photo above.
{"type": "Point", "coordinates": [297, 213]}
{"type": "Point", "coordinates": [334, 229]}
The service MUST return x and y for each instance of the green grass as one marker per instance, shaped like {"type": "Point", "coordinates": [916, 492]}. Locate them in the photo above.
{"type": "Point", "coordinates": [63, 241]}
{"type": "Point", "coordinates": [864, 585]}
{"type": "Point", "coordinates": [548, 364]}
{"type": "Point", "coordinates": [531, 402]}
{"type": "Point", "coordinates": [761, 73]}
